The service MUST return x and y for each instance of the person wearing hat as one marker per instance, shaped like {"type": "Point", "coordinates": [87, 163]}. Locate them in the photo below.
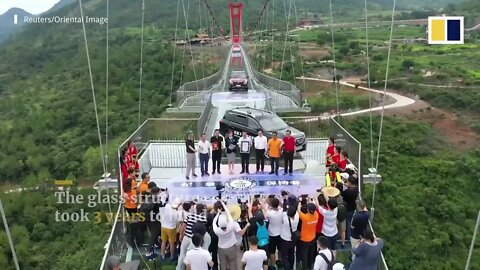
{"type": "Point", "coordinates": [329, 228]}
{"type": "Point", "coordinates": [306, 245]}
{"type": "Point", "coordinates": [169, 217]}
{"type": "Point", "coordinates": [229, 253]}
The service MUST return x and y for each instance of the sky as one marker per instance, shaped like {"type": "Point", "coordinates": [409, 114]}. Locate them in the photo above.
{"type": "Point", "coordinates": [31, 6]}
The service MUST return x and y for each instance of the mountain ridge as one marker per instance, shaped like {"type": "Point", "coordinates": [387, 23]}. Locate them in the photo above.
{"type": "Point", "coordinates": [7, 24]}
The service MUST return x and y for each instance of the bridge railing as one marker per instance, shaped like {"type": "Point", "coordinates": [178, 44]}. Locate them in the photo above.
{"type": "Point", "coordinates": [194, 87]}
{"type": "Point", "coordinates": [324, 126]}
{"type": "Point", "coordinates": [153, 129]}
{"type": "Point", "coordinates": [205, 117]}
{"type": "Point", "coordinates": [175, 129]}
{"type": "Point", "coordinates": [282, 87]}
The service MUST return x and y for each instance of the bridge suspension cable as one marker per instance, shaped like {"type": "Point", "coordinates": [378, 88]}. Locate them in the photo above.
{"type": "Point", "coordinates": [106, 87]}
{"type": "Point", "coordinates": [174, 54]}
{"type": "Point", "coordinates": [141, 67]}
{"type": "Point", "coordinates": [185, 34]}
{"type": "Point", "coordinates": [266, 31]}
{"type": "Point", "coordinates": [287, 21]}
{"type": "Point", "coordinates": [369, 84]}
{"type": "Point", "coordinates": [214, 20]}
{"type": "Point", "coordinates": [383, 101]}
{"type": "Point", "coordinates": [190, 43]}
{"type": "Point", "coordinates": [299, 46]}
{"type": "Point", "coordinates": [273, 26]}
{"type": "Point", "coordinates": [201, 44]}
{"type": "Point", "coordinates": [290, 44]}
{"type": "Point", "coordinates": [335, 79]}
{"type": "Point", "coordinates": [258, 23]}
{"type": "Point", "coordinates": [9, 236]}
{"type": "Point", "coordinates": [93, 96]}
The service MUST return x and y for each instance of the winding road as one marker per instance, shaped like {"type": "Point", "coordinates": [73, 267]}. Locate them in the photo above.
{"type": "Point", "coordinates": [400, 101]}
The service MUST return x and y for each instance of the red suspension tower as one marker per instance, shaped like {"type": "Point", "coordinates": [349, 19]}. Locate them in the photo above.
{"type": "Point", "coordinates": [236, 10]}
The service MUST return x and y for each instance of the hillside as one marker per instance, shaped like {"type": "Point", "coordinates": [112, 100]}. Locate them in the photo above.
{"type": "Point", "coordinates": [7, 25]}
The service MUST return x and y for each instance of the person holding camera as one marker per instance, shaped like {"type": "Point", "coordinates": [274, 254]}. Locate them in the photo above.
{"type": "Point", "coordinates": [226, 228]}
{"type": "Point", "coordinates": [289, 237]}
{"type": "Point", "coordinates": [307, 246]}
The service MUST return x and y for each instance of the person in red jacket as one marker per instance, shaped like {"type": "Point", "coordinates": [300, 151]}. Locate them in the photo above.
{"type": "Point", "coordinates": [330, 150]}
{"type": "Point", "coordinates": [289, 150]}
{"type": "Point", "coordinates": [342, 163]}
{"type": "Point", "coordinates": [124, 167]}
{"type": "Point", "coordinates": [336, 155]}
{"type": "Point", "coordinates": [131, 149]}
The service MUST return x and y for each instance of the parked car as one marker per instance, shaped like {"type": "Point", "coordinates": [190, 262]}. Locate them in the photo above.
{"type": "Point", "coordinates": [253, 120]}
{"type": "Point", "coordinates": [238, 80]}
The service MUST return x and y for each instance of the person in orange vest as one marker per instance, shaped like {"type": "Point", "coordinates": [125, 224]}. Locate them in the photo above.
{"type": "Point", "coordinates": [130, 195]}
{"type": "Point", "coordinates": [274, 151]}
{"type": "Point", "coordinates": [143, 187]}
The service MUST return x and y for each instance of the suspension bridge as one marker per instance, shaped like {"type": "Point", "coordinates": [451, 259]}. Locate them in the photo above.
{"type": "Point", "coordinates": [163, 153]}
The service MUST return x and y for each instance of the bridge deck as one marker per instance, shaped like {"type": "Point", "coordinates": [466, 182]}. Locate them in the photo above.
{"type": "Point", "coordinates": [166, 162]}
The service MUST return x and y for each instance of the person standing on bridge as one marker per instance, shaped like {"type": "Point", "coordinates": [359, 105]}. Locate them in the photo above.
{"type": "Point", "coordinates": [204, 154]}
{"type": "Point", "coordinates": [191, 158]}
{"type": "Point", "coordinates": [245, 144]}
{"type": "Point", "coordinates": [261, 145]}
{"type": "Point", "coordinates": [274, 151]}
{"type": "Point", "coordinates": [289, 150]}
{"type": "Point", "coordinates": [217, 149]}
{"type": "Point", "coordinates": [231, 143]}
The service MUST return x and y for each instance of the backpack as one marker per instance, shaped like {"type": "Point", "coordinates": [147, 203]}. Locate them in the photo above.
{"type": "Point", "coordinates": [331, 263]}
{"type": "Point", "coordinates": [262, 234]}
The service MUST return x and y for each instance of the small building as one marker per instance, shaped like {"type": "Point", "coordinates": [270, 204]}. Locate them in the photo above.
{"type": "Point", "coordinates": [309, 23]}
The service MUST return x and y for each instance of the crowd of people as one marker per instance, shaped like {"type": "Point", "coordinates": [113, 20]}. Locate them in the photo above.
{"type": "Point", "coordinates": [291, 231]}
{"type": "Point", "coordinates": [231, 145]}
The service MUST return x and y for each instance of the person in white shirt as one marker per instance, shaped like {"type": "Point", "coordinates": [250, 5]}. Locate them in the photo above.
{"type": "Point", "coordinates": [275, 221]}
{"type": "Point", "coordinates": [255, 259]}
{"type": "Point", "coordinates": [325, 255]}
{"type": "Point", "coordinates": [169, 218]}
{"type": "Point", "coordinates": [330, 229]}
{"type": "Point", "coordinates": [204, 154]}
{"type": "Point", "coordinates": [226, 228]}
{"type": "Point", "coordinates": [261, 145]}
{"type": "Point", "coordinates": [245, 144]}
{"type": "Point", "coordinates": [287, 248]}
{"type": "Point", "coordinates": [198, 258]}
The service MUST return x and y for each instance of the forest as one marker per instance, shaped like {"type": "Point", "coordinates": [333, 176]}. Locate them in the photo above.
{"type": "Point", "coordinates": [425, 208]}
